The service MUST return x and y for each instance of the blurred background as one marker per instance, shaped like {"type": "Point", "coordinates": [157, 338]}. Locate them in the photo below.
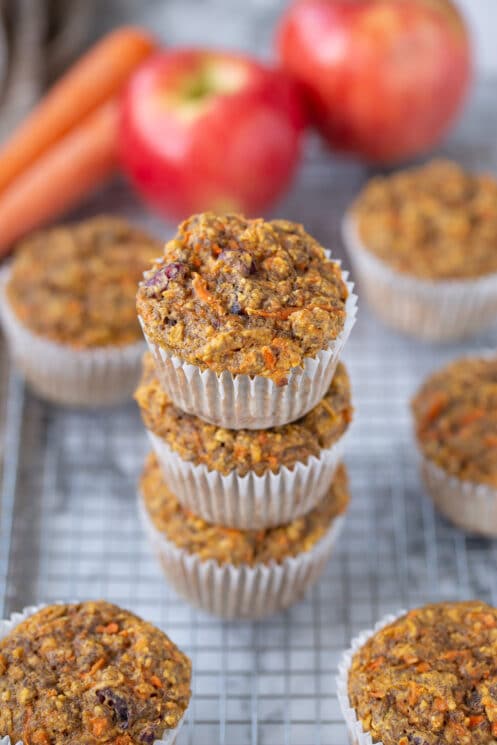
{"type": "Point", "coordinates": [38, 38]}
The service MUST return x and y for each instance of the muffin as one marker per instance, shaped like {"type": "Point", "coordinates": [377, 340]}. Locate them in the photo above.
{"type": "Point", "coordinates": [246, 479]}
{"type": "Point", "coordinates": [90, 673]}
{"type": "Point", "coordinates": [246, 320]}
{"type": "Point", "coordinates": [67, 303]}
{"type": "Point", "coordinates": [455, 413]}
{"type": "Point", "coordinates": [426, 677]}
{"type": "Point", "coordinates": [423, 243]}
{"type": "Point", "coordinates": [233, 573]}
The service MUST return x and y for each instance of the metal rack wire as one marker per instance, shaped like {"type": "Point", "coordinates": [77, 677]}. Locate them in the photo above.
{"type": "Point", "coordinates": [69, 527]}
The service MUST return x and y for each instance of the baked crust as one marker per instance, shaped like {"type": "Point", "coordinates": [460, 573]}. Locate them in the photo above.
{"type": "Point", "coordinates": [247, 296]}
{"type": "Point", "coordinates": [76, 284]}
{"type": "Point", "coordinates": [455, 413]}
{"type": "Point", "coordinates": [90, 673]}
{"type": "Point", "coordinates": [430, 677]}
{"type": "Point", "coordinates": [434, 222]}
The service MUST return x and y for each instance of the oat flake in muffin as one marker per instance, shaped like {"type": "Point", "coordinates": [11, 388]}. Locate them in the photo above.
{"type": "Point", "coordinates": [226, 450]}
{"type": "Point", "coordinates": [90, 673]}
{"type": "Point", "coordinates": [76, 284]}
{"type": "Point", "coordinates": [430, 677]}
{"type": "Point", "coordinates": [455, 413]}
{"type": "Point", "coordinates": [247, 296]}
{"type": "Point", "coordinates": [237, 547]}
{"type": "Point", "coordinates": [434, 222]}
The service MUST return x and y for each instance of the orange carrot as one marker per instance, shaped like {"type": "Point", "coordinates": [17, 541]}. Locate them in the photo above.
{"type": "Point", "coordinates": [156, 682]}
{"type": "Point", "coordinates": [476, 720]}
{"type": "Point", "coordinates": [92, 81]}
{"type": "Point", "coordinates": [98, 665]}
{"type": "Point", "coordinates": [98, 726]}
{"type": "Point", "coordinates": [269, 358]}
{"type": "Point", "coordinates": [61, 177]}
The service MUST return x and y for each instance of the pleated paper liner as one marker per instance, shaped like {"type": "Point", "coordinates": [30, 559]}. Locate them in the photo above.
{"type": "Point", "coordinates": [249, 502]}
{"type": "Point", "coordinates": [357, 736]}
{"type": "Point", "coordinates": [249, 592]}
{"type": "Point", "coordinates": [437, 310]}
{"type": "Point", "coordinates": [470, 506]}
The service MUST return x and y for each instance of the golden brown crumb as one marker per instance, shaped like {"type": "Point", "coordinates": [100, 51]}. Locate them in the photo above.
{"type": "Point", "coordinates": [76, 284]}
{"type": "Point", "coordinates": [247, 296]}
{"type": "Point", "coordinates": [456, 419]}
{"type": "Point", "coordinates": [90, 673]}
{"type": "Point", "coordinates": [429, 678]}
{"type": "Point", "coordinates": [434, 222]}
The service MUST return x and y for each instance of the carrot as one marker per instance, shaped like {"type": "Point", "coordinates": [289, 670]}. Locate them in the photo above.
{"type": "Point", "coordinates": [471, 416]}
{"type": "Point", "coordinates": [423, 667]}
{"type": "Point", "coordinates": [40, 737]}
{"type": "Point", "coordinates": [476, 720]}
{"type": "Point", "coordinates": [111, 628]}
{"type": "Point", "coordinates": [200, 288]}
{"type": "Point", "coordinates": [414, 693]}
{"type": "Point", "coordinates": [97, 77]}
{"type": "Point", "coordinates": [376, 663]}
{"type": "Point", "coordinates": [440, 704]}
{"type": "Point", "coordinates": [60, 178]}
{"type": "Point", "coordinates": [98, 726]}
{"type": "Point", "coordinates": [269, 358]}
{"type": "Point", "coordinates": [98, 665]}
{"type": "Point", "coordinates": [156, 682]}
{"type": "Point", "coordinates": [437, 403]}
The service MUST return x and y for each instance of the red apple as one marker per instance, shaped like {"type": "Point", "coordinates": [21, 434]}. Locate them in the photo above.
{"type": "Point", "coordinates": [207, 130]}
{"type": "Point", "coordinates": [384, 78]}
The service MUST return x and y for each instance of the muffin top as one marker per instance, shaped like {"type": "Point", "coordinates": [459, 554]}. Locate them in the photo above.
{"type": "Point", "coordinates": [247, 296]}
{"type": "Point", "coordinates": [433, 222]}
{"type": "Point", "coordinates": [90, 673]}
{"type": "Point", "coordinates": [76, 284]}
{"type": "Point", "coordinates": [455, 414]}
{"type": "Point", "coordinates": [244, 450]}
{"type": "Point", "coordinates": [430, 678]}
{"type": "Point", "coordinates": [230, 546]}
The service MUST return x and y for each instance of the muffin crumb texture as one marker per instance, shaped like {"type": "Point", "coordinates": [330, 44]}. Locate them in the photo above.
{"type": "Point", "coordinates": [76, 284]}
{"type": "Point", "coordinates": [430, 677]}
{"type": "Point", "coordinates": [455, 413]}
{"type": "Point", "coordinates": [90, 673]}
{"type": "Point", "coordinates": [247, 296]}
{"type": "Point", "coordinates": [434, 222]}
{"type": "Point", "coordinates": [227, 450]}
{"type": "Point", "coordinates": [237, 547]}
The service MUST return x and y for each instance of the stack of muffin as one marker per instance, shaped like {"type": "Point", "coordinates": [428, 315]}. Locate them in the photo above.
{"type": "Point", "coordinates": [246, 405]}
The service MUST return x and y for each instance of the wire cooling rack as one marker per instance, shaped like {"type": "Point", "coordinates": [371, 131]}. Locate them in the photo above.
{"type": "Point", "coordinates": [69, 526]}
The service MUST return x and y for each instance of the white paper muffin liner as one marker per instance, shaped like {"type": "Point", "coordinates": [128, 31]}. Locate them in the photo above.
{"type": "Point", "coordinates": [439, 310]}
{"type": "Point", "coordinates": [69, 376]}
{"type": "Point", "coordinates": [470, 506]}
{"type": "Point", "coordinates": [357, 736]}
{"type": "Point", "coordinates": [244, 402]}
{"type": "Point", "coordinates": [244, 591]}
{"type": "Point", "coordinates": [249, 502]}
{"type": "Point", "coordinates": [6, 626]}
